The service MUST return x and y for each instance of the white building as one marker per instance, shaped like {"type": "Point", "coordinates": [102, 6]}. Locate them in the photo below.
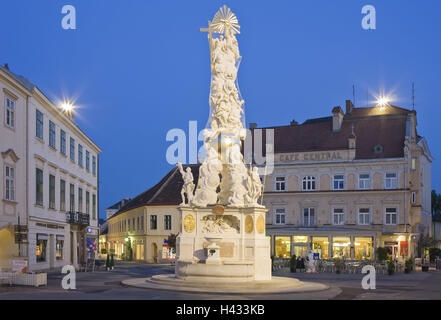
{"type": "Point", "coordinates": [60, 181]}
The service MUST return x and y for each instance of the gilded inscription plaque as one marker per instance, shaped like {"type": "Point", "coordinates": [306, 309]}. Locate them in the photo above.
{"type": "Point", "coordinates": [189, 223]}
{"type": "Point", "coordinates": [260, 224]}
{"type": "Point", "coordinates": [249, 224]}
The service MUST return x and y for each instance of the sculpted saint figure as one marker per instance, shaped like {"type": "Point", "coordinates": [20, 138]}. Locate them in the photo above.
{"type": "Point", "coordinates": [254, 187]}
{"type": "Point", "coordinates": [188, 186]}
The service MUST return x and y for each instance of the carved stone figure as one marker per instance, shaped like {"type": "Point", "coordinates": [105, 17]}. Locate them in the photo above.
{"type": "Point", "coordinates": [220, 224]}
{"type": "Point", "coordinates": [254, 187]}
{"type": "Point", "coordinates": [188, 187]}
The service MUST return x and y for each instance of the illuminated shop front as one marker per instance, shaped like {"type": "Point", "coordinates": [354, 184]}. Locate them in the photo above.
{"type": "Point", "coordinates": [341, 247]}
{"type": "Point", "coordinates": [320, 245]}
{"type": "Point", "coordinates": [282, 247]}
{"type": "Point", "coordinates": [300, 245]}
{"type": "Point", "coordinates": [363, 249]}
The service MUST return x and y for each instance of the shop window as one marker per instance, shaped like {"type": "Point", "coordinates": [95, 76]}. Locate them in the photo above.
{"type": "Point", "coordinates": [320, 245]}
{"type": "Point", "coordinates": [41, 250]}
{"type": "Point", "coordinates": [300, 239]}
{"type": "Point", "coordinates": [341, 247]}
{"type": "Point", "coordinates": [59, 249]}
{"type": "Point", "coordinates": [282, 247]}
{"type": "Point", "coordinates": [363, 249]}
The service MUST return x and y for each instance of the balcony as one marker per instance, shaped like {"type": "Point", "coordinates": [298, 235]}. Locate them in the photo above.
{"type": "Point", "coordinates": [77, 218]}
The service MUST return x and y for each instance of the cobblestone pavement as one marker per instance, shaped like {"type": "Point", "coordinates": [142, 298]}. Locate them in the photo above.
{"type": "Point", "coordinates": [104, 285]}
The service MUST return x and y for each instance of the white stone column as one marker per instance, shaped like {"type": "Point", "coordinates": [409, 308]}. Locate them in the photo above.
{"type": "Point", "coordinates": [330, 247]}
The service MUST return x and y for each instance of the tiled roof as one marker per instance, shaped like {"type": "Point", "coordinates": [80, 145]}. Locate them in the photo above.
{"type": "Point", "coordinates": [25, 82]}
{"type": "Point", "coordinates": [119, 204]}
{"type": "Point", "coordinates": [373, 127]}
{"type": "Point", "coordinates": [166, 192]}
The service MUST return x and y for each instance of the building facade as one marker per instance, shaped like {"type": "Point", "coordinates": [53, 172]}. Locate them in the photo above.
{"type": "Point", "coordinates": [59, 180]}
{"type": "Point", "coordinates": [143, 225]}
{"type": "Point", "coordinates": [347, 184]}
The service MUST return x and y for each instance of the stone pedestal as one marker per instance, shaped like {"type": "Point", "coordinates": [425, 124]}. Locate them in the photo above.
{"type": "Point", "coordinates": [218, 243]}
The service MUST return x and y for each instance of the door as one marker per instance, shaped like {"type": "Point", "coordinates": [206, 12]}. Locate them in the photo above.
{"type": "Point", "coordinates": [300, 250]}
{"type": "Point", "coordinates": [155, 252]}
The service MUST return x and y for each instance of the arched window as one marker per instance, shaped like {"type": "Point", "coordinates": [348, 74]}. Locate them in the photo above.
{"type": "Point", "coordinates": [308, 183]}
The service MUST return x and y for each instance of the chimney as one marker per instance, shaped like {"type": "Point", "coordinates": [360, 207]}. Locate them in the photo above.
{"type": "Point", "coordinates": [294, 123]}
{"type": "Point", "coordinates": [349, 106]}
{"type": "Point", "coordinates": [337, 118]}
{"type": "Point", "coordinates": [352, 143]}
{"type": "Point", "coordinates": [6, 66]}
{"type": "Point", "coordinates": [253, 125]}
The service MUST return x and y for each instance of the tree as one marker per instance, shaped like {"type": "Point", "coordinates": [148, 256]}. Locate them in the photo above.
{"type": "Point", "coordinates": [436, 203]}
{"type": "Point", "coordinates": [171, 241]}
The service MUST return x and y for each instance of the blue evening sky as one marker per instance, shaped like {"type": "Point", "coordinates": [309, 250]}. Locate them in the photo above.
{"type": "Point", "coordinates": [139, 68]}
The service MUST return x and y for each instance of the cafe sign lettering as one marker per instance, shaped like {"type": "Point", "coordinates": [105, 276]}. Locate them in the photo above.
{"type": "Point", "coordinates": [312, 156]}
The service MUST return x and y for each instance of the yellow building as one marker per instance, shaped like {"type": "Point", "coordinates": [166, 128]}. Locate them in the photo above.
{"type": "Point", "coordinates": [145, 222]}
{"type": "Point", "coordinates": [349, 183]}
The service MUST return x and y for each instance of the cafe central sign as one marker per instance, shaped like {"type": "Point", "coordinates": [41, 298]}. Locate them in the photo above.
{"type": "Point", "coordinates": [320, 156]}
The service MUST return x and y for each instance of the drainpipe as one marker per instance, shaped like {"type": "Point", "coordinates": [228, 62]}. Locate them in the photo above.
{"type": "Point", "coordinates": [27, 175]}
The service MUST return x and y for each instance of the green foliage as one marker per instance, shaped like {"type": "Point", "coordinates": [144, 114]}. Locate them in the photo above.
{"type": "Point", "coordinates": [293, 263]}
{"type": "Point", "coordinates": [339, 265]}
{"type": "Point", "coordinates": [434, 253]}
{"type": "Point", "coordinates": [381, 254]}
{"type": "Point", "coordinates": [103, 250]}
{"type": "Point", "coordinates": [436, 202]}
{"type": "Point", "coordinates": [409, 265]}
{"type": "Point", "coordinates": [390, 267]}
{"type": "Point", "coordinates": [171, 241]}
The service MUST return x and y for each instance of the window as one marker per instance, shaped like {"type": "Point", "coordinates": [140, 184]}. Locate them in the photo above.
{"type": "Point", "coordinates": [80, 200]}
{"type": "Point", "coordinates": [339, 182]}
{"type": "Point", "coordinates": [62, 195]}
{"type": "Point", "coordinates": [87, 161]}
{"type": "Point", "coordinates": [282, 247]}
{"type": "Point", "coordinates": [391, 216]}
{"type": "Point", "coordinates": [72, 149]}
{"type": "Point", "coordinates": [94, 165]}
{"type": "Point", "coordinates": [280, 183]}
{"type": "Point", "coordinates": [72, 198]}
{"type": "Point", "coordinates": [59, 249]}
{"type": "Point", "coordinates": [364, 181]}
{"type": "Point", "coordinates": [51, 134]}
{"type": "Point", "coordinates": [338, 216]}
{"type": "Point", "coordinates": [308, 183]}
{"type": "Point", "coordinates": [142, 222]}
{"type": "Point", "coordinates": [39, 125]}
{"type": "Point", "coordinates": [153, 222]}
{"type": "Point", "coordinates": [94, 206]}
{"type": "Point", "coordinates": [308, 217]}
{"type": "Point", "coordinates": [63, 142]}
{"type": "Point", "coordinates": [391, 181]}
{"type": "Point", "coordinates": [413, 197]}
{"type": "Point", "coordinates": [51, 192]}
{"type": "Point", "coordinates": [87, 202]}
{"type": "Point", "coordinates": [167, 222]}
{"type": "Point", "coordinates": [137, 223]}
{"type": "Point", "coordinates": [128, 224]}
{"type": "Point", "coordinates": [413, 163]}
{"type": "Point", "coordinates": [364, 216]}
{"type": "Point", "coordinates": [80, 155]}
{"type": "Point", "coordinates": [41, 250]}
{"type": "Point", "coordinates": [133, 224]}
{"type": "Point", "coordinates": [280, 216]}
{"type": "Point", "coordinates": [10, 113]}
{"type": "Point", "coordinates": [39, 187]}
{"type": "Point", "coordinates": [9, 183]}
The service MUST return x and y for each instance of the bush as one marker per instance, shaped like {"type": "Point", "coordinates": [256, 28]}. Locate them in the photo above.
{"type": "Point", "coordinates": [103, 250]}
{"type": "Point", "coordinates": [381, 254]}
{"type": "Point", "coordinates": [339, 264]}
{"type": "Point", "coordinates": [434, 253]}
{"type": "Point", "coordinates": [293, 263]}
{"type": "Point", "coordinates": [409, 265]}
{"type": "Point", "coordinates": [390, 267]}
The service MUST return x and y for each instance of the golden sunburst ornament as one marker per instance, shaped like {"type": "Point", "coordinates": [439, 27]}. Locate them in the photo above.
{"type": "Point", "coordinates": [224, 19]}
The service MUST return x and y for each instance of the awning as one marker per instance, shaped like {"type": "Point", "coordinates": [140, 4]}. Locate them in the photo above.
{"type": "Point", "coordinates": [42, 236]}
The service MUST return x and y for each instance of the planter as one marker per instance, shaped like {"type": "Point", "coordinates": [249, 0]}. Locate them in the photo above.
{"type": "Point", "coordinates": [31, 279]}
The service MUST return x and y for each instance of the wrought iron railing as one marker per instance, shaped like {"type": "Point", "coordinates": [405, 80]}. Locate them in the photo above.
{"type": "Point", "coordinates": [77, 218]}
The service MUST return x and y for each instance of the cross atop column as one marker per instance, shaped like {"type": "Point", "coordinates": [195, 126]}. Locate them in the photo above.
{"type": "Point", "coordinates": [209, 30]}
